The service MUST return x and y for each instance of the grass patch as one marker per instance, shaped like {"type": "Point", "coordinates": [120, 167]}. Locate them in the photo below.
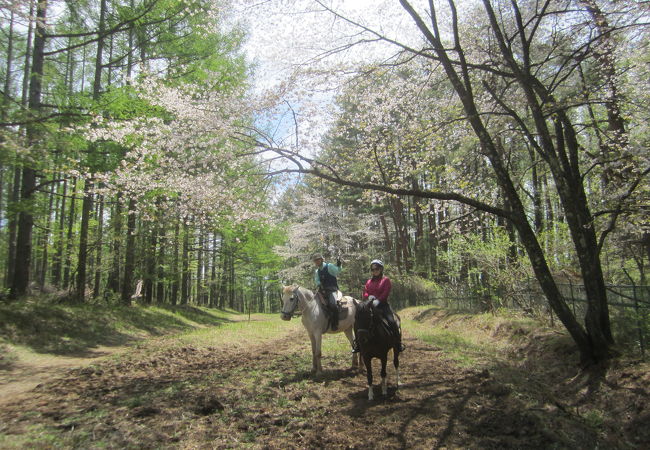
{"type": "Point", "coordinates": [468, 339]}
{"type": "Point", "coordinates": [239, 334]}
{"type": "Point", "coordinates": [73, 330]}
{"type": "Point", "coordinates": [8, 357]}
{"type": "Point", "coordinates": [34, 436]}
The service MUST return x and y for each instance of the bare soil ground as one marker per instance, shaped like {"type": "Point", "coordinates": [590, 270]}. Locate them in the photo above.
{"type": "Point", "coordinates": [263, 396]}
{"type": "Point", "coordinates": [23, 375]}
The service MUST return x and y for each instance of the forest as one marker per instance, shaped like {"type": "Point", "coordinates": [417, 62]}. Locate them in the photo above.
{"type": "Point", "coordinates": [167, 166]}
{"type": "Point", "coordinates": [495, 151]}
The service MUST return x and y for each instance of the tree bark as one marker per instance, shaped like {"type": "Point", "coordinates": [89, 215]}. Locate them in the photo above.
{"type": "Point", "coordinates": [70, 235]}
{"type": "Point", "coordinates": [100, 247]}
{"type": "Point", "coordinates": [82, 258]}
{"type": "Point", "coordinates": [185, 271]}
{"type": "Point", "coordinates": [28, 186]}
{"type": "Point", "coordinates": [113, 282]}
{"type": "Point", "coordinates": [129, 254]}
{"type": "Point", "coordinates": [175, 275]}
{"type": "Point", "coordinates": [12, 228]}
{"type": "Point", "coordinates": [160, 261]}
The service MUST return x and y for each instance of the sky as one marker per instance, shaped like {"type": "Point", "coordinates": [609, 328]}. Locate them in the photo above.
{"type": "Point", "coordinates": [286, 37]}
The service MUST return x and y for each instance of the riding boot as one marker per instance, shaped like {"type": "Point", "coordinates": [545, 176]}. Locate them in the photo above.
{"type": "Point", "coordinates": [335, 320]}
{"type": "Point", "coordinates": [398, 333]}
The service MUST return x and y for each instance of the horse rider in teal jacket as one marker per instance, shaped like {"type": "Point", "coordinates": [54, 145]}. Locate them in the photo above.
{"type": "Point", "coordinates": [325, 278]}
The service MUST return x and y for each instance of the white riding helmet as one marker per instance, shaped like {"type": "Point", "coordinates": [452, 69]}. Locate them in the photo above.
{"type": "Point", "coordinates": [377, 262]}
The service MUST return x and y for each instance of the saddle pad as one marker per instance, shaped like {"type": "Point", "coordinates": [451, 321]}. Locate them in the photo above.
{"type": "Point", "coordinates": [338, 295]}
{"type": "Point", "coordinates": [342, 302]}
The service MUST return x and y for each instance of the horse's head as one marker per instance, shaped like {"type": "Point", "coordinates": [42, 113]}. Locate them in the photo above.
{"type": "Point", "coordinates": [289, 301]}
{"type": "Point", "coordinates": [363, 321]}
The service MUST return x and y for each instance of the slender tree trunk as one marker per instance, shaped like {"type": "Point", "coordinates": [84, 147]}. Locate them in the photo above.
{"type": "Point", "coordinates": [86, 210]}
{"type": "Point", "coordinates": [15, 191]}
{"type": "Point", "coordinates": [150, 263]}
{"type": "Point", "coordinates": [213, 273]}
{"type": "Point", "coordinates": [28, 185]}
{"type": "Point", "coordinates": [175, 275]}
{"type": "Point", "coordinates": [231, 278]}
{"type": "Point", "coordinates": [57, 263]}
{"type": "Point", "coordinates": [185, 271]}
{"type": "Point", "coordinates": [8, 69]}
{"type": "Point", "coordinates": [28, 66]}
{"type": "Point", "coordinates": [537, 197]}
{"type": "Point", "coordinates": [129, 256]}
{"type": "Point", "coordinates": [113, 282]}
{"type": "Point", "coordinates": [88, 196]}
{"type": "Point", "coordinates": [69, 242]}
{"type": "Point", "coordinates": [46, 239]}
{"type": "Point", "coordinates": [100, 247]}
{"type": "Point", "coordinates": [12, 228]}
{"type": "Point", "coordinates": [199, 269]}
{"type": "Point", "coordinates": [160, 262]}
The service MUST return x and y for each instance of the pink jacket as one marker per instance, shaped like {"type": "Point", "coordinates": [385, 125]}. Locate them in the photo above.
{"type": "Point", "coordinates": [379, 287]}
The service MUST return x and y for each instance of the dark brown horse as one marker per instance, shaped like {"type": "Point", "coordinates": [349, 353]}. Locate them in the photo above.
{"type": "Point", "coordinates": [375, 338]}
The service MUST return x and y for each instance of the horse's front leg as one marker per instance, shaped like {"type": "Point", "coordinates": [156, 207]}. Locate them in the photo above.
{"type": "Point", "coordinates": [396, 364]}
{"type": "Point", "coordinates": [367, 361]}
{"type": "Point", "coordinates": [315, 353]}
{"type": "Point", "coordinates": [356, 363]}
{"type": "Point", "coordinates": [384, 384]}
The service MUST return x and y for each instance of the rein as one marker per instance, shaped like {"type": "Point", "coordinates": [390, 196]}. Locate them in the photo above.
{"type": "Point", "coordinates": [368, 330]}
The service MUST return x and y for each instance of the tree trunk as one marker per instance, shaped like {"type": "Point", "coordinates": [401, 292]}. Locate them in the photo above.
{"type": "Point", "coordinates": [113, 282]}
{"type": "Point", "coordinates": [8, 69]}
{"type": "Point", "coordinates": [82, 258]}
{"type": "Point", "coordinates": [129, 254]}
{"type": "Point", "coordinates": [88, 196]}
{"type": "Point", "coordinates": [185, 271]}
{"type": "Point", "coordinates": [213, 273]}
{"type": "Point", "coordinates": [28, 186]}
{"type": "Point", "coordinates": [150, 264]}
{"type": "Point", "coordinates": [28, 49]}
{"type": "Point", "coordinates": [160, 261]}
{"type": "Point", "coordinates": [12, 228]}
{"type": "Point", "coordinates": [69, 243]}
{"type": "Point", "coordinates": [199, 269]}
{"type": "Point", "coordinates": [100, 247]}
{"type": "Point", "coordinates": [57, 263]}
{"type": "Point", "coordinates": [174, 293]}
{"type": "Point", "coordinates": [46, 239]}
{"type": "Point", "coordinates": [590, 349]}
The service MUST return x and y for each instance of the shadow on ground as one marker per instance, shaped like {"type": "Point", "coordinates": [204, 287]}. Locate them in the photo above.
{"type": "Point", "coordinates": [76, 330]}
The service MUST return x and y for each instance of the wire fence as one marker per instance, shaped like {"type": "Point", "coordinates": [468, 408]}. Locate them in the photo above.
{"type": "Point", "coordinates": [629, 305]}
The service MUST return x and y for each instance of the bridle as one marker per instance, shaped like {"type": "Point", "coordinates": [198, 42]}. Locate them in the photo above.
{"type": "Point", "coordinates": [293, 303]}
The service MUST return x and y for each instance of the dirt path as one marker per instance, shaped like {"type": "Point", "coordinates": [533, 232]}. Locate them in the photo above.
{"type": "Point", "coordinates": [23, 376]}
{"type": "Point", "coordinates": [264, 397]}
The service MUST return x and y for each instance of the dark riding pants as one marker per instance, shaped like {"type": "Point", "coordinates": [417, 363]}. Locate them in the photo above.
{"type": "Point", "coordinates": [330, 296]}
{"type": "Point", "coordinates": [386, 310]}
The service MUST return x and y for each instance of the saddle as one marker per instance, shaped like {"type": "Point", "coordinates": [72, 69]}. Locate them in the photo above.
{"type": "Point", "coordinates": [342, 303]}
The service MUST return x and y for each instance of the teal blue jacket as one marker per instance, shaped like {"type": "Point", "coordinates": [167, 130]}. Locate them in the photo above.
{"type": "Point", "coordinates": [333, 270]}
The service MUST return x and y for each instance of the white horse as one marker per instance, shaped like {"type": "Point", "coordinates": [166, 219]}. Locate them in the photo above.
{"type": "Point", "coordinates": [315, 320]}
